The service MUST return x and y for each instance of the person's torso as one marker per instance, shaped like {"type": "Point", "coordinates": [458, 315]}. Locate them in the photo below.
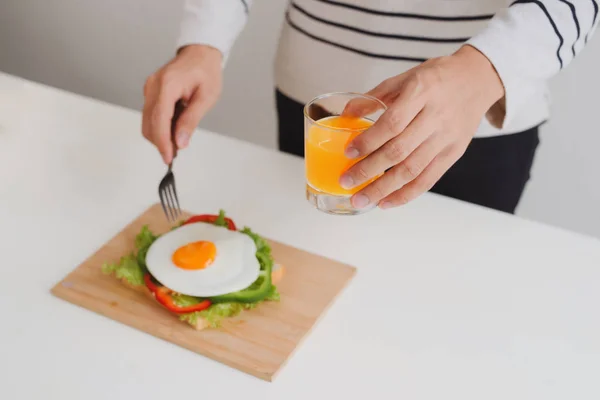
{"type": "Point", "coordinates": [353, 45]}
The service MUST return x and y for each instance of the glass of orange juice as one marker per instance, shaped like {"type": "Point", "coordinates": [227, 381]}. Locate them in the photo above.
{"type": "Point", "coordinates": [328, 129]}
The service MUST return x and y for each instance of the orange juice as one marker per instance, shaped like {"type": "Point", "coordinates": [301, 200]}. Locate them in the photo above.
{"type": "Point", "coordinates": [325, 159]}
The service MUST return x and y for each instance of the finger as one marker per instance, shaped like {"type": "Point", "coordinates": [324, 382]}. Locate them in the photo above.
{"type": "Point", "coordinates": [148, 85]}
{"type": "Point", "coordinates": [360, 107]}
{"type": "Point", "coordinates": [426, 180]}
{"type": "Point", "coordinates": [156, 96]}
{"type": "Point", "coordinates": [150, 94]}
{"type": "Point", "coordinates": [161, 114]}
{"type": "Point", "coordinates": [190, 118]}
{"type": "Point", "coordinates": [392, 153]}
{"type": "Point", "coordinates": [394, 120]}
{"type": "Point", "coordinates": [145, 118]}
{"type": "Point", "coordinates": [402, 173]}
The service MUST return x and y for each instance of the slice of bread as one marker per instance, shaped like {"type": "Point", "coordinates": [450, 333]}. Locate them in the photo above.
{"type": "Point", "coordinates": [201, 323]}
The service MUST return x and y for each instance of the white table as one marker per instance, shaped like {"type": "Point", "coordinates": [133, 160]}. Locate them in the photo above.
{"type": "Point", "coordinates": [451, 301]}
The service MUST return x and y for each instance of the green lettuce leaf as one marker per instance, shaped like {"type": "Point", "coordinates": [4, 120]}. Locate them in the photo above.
{"type": "Point", "coordinates": [127, 268]}
{"type": "Point", "coordinates": [143, 241]}
{"type": "Point", "coordinates": [183, 300]}
{"type": "Point", "coordinates": [132, 267]}
{"type": "Point", "coordinates": [145, 238]}
{"type": "Point", "coordinates": [216, 313]}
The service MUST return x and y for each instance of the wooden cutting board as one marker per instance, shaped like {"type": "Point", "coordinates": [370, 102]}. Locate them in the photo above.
{"type": "Point", "coordinates": [258, 341]}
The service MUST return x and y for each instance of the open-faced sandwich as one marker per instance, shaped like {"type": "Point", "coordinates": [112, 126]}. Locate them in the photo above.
{"type": "Point", "coordinates": [203, 270]}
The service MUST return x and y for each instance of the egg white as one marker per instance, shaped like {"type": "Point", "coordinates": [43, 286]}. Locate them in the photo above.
{"type": "Point", "coordinates": [235, 266]}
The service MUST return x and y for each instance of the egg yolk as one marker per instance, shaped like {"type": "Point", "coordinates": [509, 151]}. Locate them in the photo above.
{"type": "Point", "coordinates": [195, 255]}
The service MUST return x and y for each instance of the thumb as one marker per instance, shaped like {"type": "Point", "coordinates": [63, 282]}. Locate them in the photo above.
{"type": "Point", "coordinates": [189, 119]}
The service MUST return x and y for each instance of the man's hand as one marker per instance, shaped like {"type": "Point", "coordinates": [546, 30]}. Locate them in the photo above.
{"type": "Point", "coordinates": [433, 113]}
{"type": "Point", "coordinates": [194, 75]}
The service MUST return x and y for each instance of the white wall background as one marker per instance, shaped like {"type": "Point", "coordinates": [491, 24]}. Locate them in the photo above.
{"type": "Point", "coordinates": [105, 49]}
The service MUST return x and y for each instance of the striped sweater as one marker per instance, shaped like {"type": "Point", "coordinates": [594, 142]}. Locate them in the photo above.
{"type": "Point", "coordinates": [353, 45]}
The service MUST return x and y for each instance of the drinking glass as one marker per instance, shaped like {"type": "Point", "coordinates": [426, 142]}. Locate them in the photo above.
{"type": "Point", "coordinates": [328, 129]}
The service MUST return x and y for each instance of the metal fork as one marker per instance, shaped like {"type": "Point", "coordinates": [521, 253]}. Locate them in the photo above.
{"type": "Point", "coordinates": [166, 188]}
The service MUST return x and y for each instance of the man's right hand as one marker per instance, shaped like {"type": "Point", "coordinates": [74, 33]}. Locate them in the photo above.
{"type": "Point", "coordinates": [194, 75]}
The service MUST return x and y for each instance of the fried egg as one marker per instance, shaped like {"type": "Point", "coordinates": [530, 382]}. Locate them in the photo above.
{"type": "Point", "coordinates": [203, 260]}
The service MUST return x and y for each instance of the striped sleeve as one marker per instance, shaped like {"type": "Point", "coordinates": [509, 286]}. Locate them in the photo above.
{"type": "Point", "coordinates": [531, 41]}
{"type": "Point", "coordinates": [215, 23]}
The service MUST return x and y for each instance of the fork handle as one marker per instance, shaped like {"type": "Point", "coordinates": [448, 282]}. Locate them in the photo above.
{"type": "Point", "coordinates": [179, 107]}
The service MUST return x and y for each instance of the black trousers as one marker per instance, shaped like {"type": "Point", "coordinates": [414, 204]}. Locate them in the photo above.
{"type": "Point", "coordinates": [492, 172]}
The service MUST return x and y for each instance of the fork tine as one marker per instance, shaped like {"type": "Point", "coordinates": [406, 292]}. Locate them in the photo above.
{"type": "Point", "coordinates": [175, 196]}
{"type": "Point", "coordinates": [165, 201]}
{"type": "Point", "coordinates": [176, 203]}
{"type": "Point", "coordinates": [171, 203]}
{"type": "Point", "coordinates": [161, 195]}
{"type": "Point", "coordinates": [174, 211]}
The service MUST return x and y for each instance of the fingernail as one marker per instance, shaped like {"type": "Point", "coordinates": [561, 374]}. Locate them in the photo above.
{"type": "Point", "coordinates": [182, 139]}
{"type": "Point", "coordinates": [385, 204]}
{"type": "Point", "coordinates": [351, 152]}
{"type": "Point", "coordinates": [360, 201]}
{"type": "Point", "coordinates": [346, 182]}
